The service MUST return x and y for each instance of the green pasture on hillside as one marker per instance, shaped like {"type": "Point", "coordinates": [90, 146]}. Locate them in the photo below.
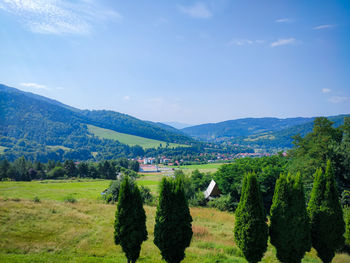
{"type": "Point", "coordinates": [128, 139]}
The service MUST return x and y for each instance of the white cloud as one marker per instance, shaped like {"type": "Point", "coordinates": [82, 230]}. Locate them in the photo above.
{"type": "Point", "coordinates": [198, 10]}
{"type": "Point", "coordinates": [244, 42]}
{"type": "Point", "coordinates": [127, 98]}
{"type": "Point", "coordinates": [323, 27]}
{"type": "Point", "coordinates": [339, 99]}
{"type": "Point", "coordinates": [284, 20]}
{"type": "Point", "coordinates": [58, 16]}
{"type": "Point", "coordinates": [325, 90]}
{"type": "Point", "coordinates": [283, 42]}
{"type": "Point", "coordinates": [34, 85]}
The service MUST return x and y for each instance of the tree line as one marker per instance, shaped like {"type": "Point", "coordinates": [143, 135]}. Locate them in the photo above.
{"type": "Point", "coordinates": [25, 170]}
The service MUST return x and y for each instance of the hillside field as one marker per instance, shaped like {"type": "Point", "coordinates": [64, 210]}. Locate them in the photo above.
{"type": "Point", "coordinates": [128, 139]}
{"type": "Point", "coordinates": [55, 231]}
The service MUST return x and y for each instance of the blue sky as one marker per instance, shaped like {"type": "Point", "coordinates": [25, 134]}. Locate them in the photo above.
{"type": "Point", "coordinates": [185, 61]}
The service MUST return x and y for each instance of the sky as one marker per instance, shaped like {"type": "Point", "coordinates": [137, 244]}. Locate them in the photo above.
{"type": "Point", "coordinates": [185, 61]}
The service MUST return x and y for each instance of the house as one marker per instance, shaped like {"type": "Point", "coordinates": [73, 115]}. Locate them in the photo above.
{"type": "Point", "coordinates": [212, 191]}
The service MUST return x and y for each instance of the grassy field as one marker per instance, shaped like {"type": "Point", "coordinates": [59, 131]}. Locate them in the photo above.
{"type": "Point", "coordinates": [55, 231]}
{"type": "Point", "coordinates": [128, 139]}
{"type": "Point", "coordinates": [210, 167]}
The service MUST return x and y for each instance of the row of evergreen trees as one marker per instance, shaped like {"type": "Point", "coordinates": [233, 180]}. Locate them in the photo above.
{"type": "Point", "coordinates": [294, 228]}
{"type": "Point", "coordinates": [172, 230]}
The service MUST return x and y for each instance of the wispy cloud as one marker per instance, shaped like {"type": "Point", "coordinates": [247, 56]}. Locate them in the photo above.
{"type": "Point", "coordinates": [58, 16]}
{"type": "Point", "coordinates": [198, 10]}
{"type": "Point", "coordinates": [126, 98]}
{"type": "Point", "coordinates": [284, 20]}
{"type": "Point", "coordinates": [244, 42]}
{"type": "Point", "coordinates": [325, 90]}
{"type": "Point", "coordinates": [283, 42]}
{"type": "Point", "coordinates": [339, 99]}
{"type": "Point", "coordinates": [323, 27]}
{"type": "Point", "coordinates": [34, 85]}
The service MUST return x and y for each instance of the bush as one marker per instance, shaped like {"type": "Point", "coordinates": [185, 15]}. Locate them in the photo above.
{"type": "Point", "coordinates": [146, 196]}
{"type": "Point", "coordinates": [198, 199]}
{"type": "Point", "coordinates": [36, 199]}
{"type": "Point", "coordinates": [345, 198]}
{"type": "Point", "coordinates": [224, 203]}
{"type": "Point", "coordinates": [70, 199]}
{"type": "Point", "coordinates": [112, 192]}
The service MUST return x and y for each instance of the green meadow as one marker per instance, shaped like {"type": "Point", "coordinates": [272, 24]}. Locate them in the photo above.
{"type": "Point", "coordinates": [128, 139]}
{"type": "Point", "coordinates": [51, 230]}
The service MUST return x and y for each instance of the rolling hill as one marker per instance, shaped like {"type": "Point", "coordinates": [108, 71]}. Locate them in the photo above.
{"type": "Point", "coordinates": [33, 124]}
{"type": "Point", "coordinates": [266, 133]}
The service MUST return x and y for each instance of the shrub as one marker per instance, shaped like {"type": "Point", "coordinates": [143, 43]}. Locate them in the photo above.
{"type": "Point", "coordinates": [223, 203]}
{"type": "Point", "coordinates": [146, 196]}
{"type": "Point", "coordinates": [36, 199]}
{"type": "Point", "coordinates": [70, 199]}
{"type": "Point", "coordinates": [198, 199]}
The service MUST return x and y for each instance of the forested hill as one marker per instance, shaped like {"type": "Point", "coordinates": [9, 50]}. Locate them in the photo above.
{"type": "Point", "coordinates": [32, 121]}
{"type": "Point", "coordinates": [258, 132]}
{"type": "Point", "coordinates": [18, 108]}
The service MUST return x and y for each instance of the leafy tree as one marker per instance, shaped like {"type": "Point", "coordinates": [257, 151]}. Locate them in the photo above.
{"type": "Point", "coordinates": [130, 220]}
{"type": "Point", "coordinates": [57, 172]}
{"type": "Point", "coordinates": [251, 230]}
{"type": "Point", "coordinates": [83, 169]}
{"type": "Point", "coordinates": [172, 230]}
{"type": "Point", "coordinates": [71, 169]}
{"type": "Point", "coordinates": [313, 151]}
{"type": "Point", "coordinates": [326, 215]}
{"type": "Point", "coordinates": [4, 166]}
{"type": "Point", "coordinates": [289, 228]}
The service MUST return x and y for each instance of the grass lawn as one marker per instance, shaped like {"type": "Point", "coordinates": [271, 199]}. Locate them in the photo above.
{"type": "Point", "coordinates": [128, 139]}
{"type": "Point", "coordinates": [210, 167]}
{"type": "Point", "coordinates": [55, 231]}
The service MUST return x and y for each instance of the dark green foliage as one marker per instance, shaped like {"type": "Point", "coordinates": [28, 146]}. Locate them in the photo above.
{"type": "Point", "coordinates": [313, 151]}
{"type": "Point", "coordinates": [111, 194]}
{"type": "Point", "coordinates": [130, 220]}
{"type": "Point", "coordinates": [224, 203]}
{"type": "Point", "coordinates": [198, 199]}
{"type": "Point", "coordinates": [173, 229]}
{"type": "Point", "coordinates": [289, 228]}
{"type": "Point", "coordinates": [251, 230]}
{"type": "Point", "coordinates": [326, 215]}
{"type": "Point", "coordinates": [57, 172]}
{"type": "Point", "coordinates": [200, 181]}
{"type": "Point", "coordinates": [146, 196]}
{"type": "Point", "coordinates": [229, 177]}
{"type": "Point", "coordinates": [347, 228]}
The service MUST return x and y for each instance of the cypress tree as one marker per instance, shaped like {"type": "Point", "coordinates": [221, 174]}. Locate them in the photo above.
{"type": "Point", "coordinates": [251, 231]}
{"type": "Point", "coordinates": [289, 228]}
{"type": "Point", "coordinates": [130, 220]}
{"type": "Point", "coordinates": [173, 229]}
{"type": "Point", "coordinates": [326, 215]}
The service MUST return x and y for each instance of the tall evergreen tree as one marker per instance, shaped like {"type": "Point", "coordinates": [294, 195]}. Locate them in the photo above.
{"type": "Point", "coordinates": [326, 215]}
{"type": "Point", "coordinates": [289, 228]}
{"type": "Point", "coordinates": [173, 229]}
{"type": "Point", "coordinates": [251, 230]}
{"type": "Point", "coordinates": [130, 220]}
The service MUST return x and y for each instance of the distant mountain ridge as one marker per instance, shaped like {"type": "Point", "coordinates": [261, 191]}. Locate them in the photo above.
{"type": "Point", "coordinates": [259, 132]}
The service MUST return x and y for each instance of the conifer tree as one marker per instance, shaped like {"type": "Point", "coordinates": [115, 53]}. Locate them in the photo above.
{"type": "Point", "coordinates": [130, 220]}
{"type": "Point", "coordinates": [326, 215]}
{"type": "Point", "coordinates": [251, 231]}
{"type": "Point", "coordinates": [173, 229]}
{"type": "Point", "coordinates": [289, 228]}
